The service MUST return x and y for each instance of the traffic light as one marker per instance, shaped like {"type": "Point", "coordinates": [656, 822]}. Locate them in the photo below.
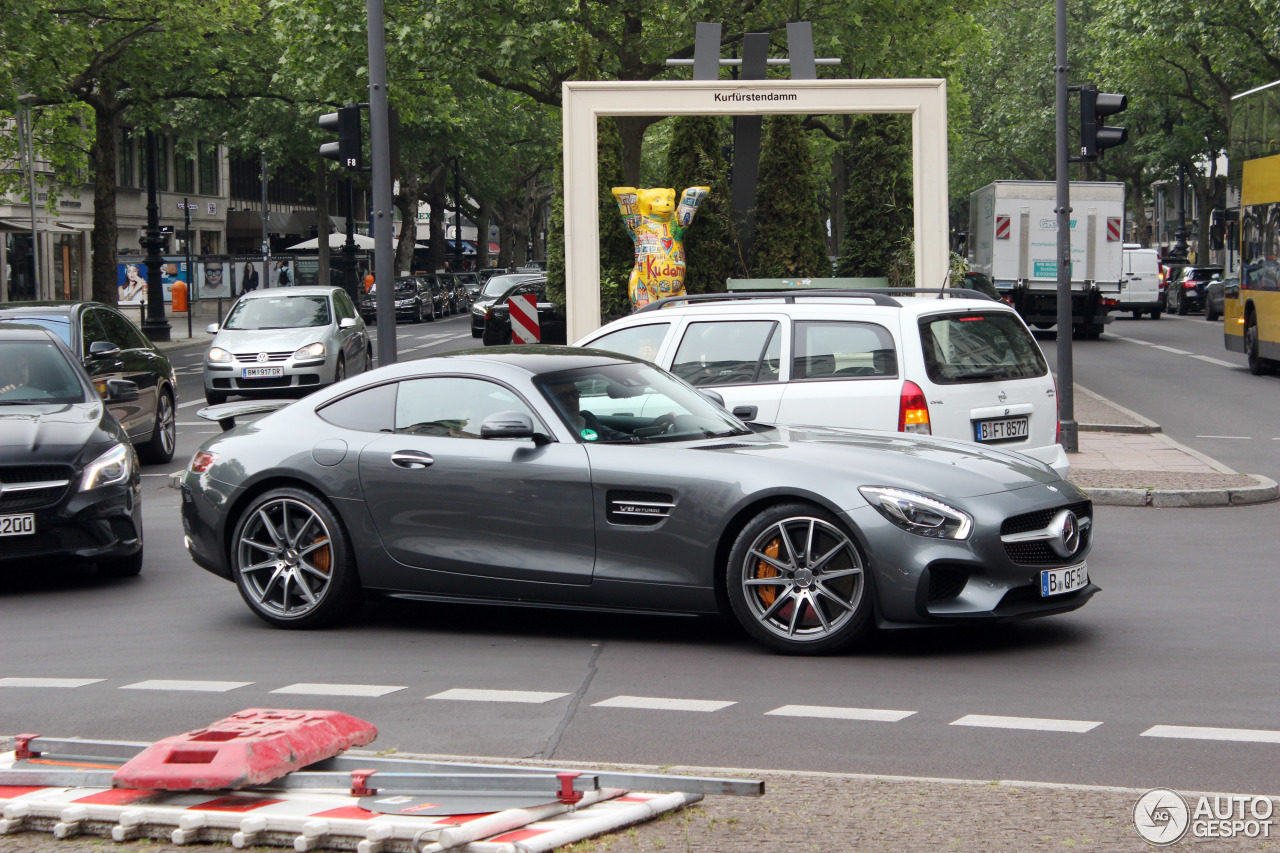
{"type": "Point", "coordinates": [348, 149]}
{"type": "Point", "coordinates": [1094, 136]}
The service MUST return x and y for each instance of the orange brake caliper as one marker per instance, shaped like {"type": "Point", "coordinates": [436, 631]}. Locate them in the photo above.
{"type": "Point", "coordinates": [763, 570]}
{"type": "Point", "coordinates": [321, 560]}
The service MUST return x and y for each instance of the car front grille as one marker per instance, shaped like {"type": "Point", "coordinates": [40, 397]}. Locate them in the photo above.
{"type": "Point", "coordinates": [271, 357]}
{"type": "Point", "coordinates": [1042, 553]}
{"type": "Point", "coordinates": [59, 540]}
{"type": "Point", "coordinates": [265, 382]}
{"type": "Point", "coordinates": [16, 477]}
{"type": "Point", "coordinates": [946, 582]}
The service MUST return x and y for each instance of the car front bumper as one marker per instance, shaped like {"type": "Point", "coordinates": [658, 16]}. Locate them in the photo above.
{"type": "Point", "coordinates": [104, 522]}
{"type": "Point", "coordinates": [306, 374]}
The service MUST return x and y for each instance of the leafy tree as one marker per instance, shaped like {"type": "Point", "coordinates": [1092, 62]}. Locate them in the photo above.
{"type": "Point", "coordinates": [790, 239]}
{"type": "Point", "coordinates": [710, 246]}
{"type": "Point", "coordinates": [878, 205]}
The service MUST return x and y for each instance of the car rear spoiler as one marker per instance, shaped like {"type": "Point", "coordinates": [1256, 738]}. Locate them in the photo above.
{"type": "Point", "coordinates": [226, 413]}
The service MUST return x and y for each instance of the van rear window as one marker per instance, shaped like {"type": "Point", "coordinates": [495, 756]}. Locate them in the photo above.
{"type": "Point", "coordinates": [964, 348]}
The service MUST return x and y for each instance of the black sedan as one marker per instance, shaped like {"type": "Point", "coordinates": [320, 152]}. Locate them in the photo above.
{"type": "Point", "coordinates": [413, 299]}
{"type": "Point", "coordinates": [551, 325]}
{"type": "Point", "coordinates": [1186, 293]}
{"type": "Point", "coordinates": [576, 478]}
{"type": "Point", "coordinates": [494, 288]}
{"type": "Point", "coordinates": [69, 481]}
{"type": "Point", "coordinates": [1215, 297]}
{"type": "Point", "coordinates": [110, 347]}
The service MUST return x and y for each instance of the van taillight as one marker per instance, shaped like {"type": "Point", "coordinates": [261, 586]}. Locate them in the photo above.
{"type": "Point", "coordinates": [913, 411]}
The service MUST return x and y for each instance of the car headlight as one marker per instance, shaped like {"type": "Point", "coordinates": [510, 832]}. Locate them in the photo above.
{"type": "Point", "coordinates": [114, 466]}
{"type": "Point", "coordinates": [218, 355]}
{"type": "Point", "coordinates": [918, 514]}
{"type": "Point", "coordinates": [315, 350]}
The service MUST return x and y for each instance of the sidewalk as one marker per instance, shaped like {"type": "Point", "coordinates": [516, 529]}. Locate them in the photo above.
{"type": "Point", "coordinates": [1125, 460]}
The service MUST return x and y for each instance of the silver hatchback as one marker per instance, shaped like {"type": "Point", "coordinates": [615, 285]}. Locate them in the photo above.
{"type": "Point", "coordinates": [275, 342]}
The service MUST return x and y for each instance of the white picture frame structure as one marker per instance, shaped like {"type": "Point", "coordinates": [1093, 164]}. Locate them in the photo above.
{"type": "Point", "coordinates": [925, 100]}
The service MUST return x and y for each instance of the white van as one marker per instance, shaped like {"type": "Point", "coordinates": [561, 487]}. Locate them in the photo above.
{"type": "Point", "coordinates": [1140, 282]}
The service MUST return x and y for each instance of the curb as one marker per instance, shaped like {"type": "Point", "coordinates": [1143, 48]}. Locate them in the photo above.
{"type": "Point", "coordinates": [1265, 491]}
{"type": "Point", "coordinates": [1140, 425]}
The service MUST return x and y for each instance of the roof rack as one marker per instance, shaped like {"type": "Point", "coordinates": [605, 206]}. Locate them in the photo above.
{"type": "Point", "coordinates": [877, 295]}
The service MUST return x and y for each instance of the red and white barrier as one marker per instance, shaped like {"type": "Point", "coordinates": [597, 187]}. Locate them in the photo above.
{"type": "Point", "coordinates": [523, 311]}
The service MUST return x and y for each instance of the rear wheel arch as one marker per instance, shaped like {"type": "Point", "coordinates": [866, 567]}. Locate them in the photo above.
{"type": "Point", "coordinates": [232, 516]}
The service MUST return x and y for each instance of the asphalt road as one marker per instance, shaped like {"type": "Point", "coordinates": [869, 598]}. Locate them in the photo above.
{"type": "Point", "coordinates": [1180, 637]}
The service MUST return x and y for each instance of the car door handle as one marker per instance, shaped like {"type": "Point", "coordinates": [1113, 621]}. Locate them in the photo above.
{"type": "Point", "coordinates": [412, 459]}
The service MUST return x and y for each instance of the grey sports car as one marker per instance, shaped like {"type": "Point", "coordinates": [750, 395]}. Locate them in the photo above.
{"type": "Point", "coordinates": [578, 478]}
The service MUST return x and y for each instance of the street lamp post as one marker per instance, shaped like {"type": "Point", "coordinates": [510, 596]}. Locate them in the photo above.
{"type": "Point", "coordinates": [349, 250]}
{"type": "Point", "coordinates": [457, 215]}
{"type": "Point", "coordinates": [1179, 251]}
{"type": "Point", "coordinates": [155, 326]}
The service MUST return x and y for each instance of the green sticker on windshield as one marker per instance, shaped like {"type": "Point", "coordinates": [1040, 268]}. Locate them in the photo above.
{"type": "Point", "coordinates": [588, 435]}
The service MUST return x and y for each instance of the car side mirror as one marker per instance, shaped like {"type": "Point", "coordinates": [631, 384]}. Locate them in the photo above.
{"type": "Point", "coordinates": [211, 329]}
{"type": "Point", "coordinates": [120, 391]}
{"type": "Point", "coordinates": [713, 396]}
{"type": "Point", "coordinates": [104, 349]}
{"type": "Point", "coordinates": [346, 323]}
{"type": "Point", "coordinates": [511, 425]}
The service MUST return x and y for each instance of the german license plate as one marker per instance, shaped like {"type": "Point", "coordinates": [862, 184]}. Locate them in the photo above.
{"type": "Point", "coordinates": [17, 525]}
{"type": "Point", "coordinates": [261, 372]}
{"type": "Point", "coordinates": [1059, 581]}
{"type": "Point", "coordinates": [1001, 429]}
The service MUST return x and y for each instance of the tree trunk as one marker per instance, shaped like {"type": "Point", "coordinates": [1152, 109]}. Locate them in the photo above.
{"type": "Point", "coordinates": [482, 237]}
{"type": "Point", "coordinates": [435, 198]}
{"type": "Point", "coordinates": [322, 221]}
{"type": "Point", "coordinates": [104, 240]}
{"type": "Point", "coordinates": [1142, 229]}
{"type": "Point", "coordinates": [406, 202]}
{"type": "Point", "coordinates": [631, 131]}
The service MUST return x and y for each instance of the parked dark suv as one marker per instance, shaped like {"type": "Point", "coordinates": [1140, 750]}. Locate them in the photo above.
{"type": "Point", "coordinates": [1186, 293]}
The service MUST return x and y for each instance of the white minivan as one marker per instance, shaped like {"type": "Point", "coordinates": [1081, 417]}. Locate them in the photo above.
{"type": "Point", "coordinates": [1140, 282]}
{"type": "Point", "coordinates": [901, 360]}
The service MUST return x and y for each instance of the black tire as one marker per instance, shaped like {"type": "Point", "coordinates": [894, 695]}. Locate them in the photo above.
{"type": "Point", "coordinates": [807, 616]}
{"type": "Point", "coordinates": [214, 398]}
{"type": "Point", "coordinates": [1137, 315]}
{"type": "Point", "coordinates": [1183, 307]}
{"type": "Point", "coordinates": [164, 434]}
{"type": "Point", "coordinates": [475, 333]}
{"type": "Point", "coordinates": [368, 358]}
{"type": "Point", "coordinates": [340, 372]}
{"type": "Point", "coordinates": [1210, 314]}
{"type": "Point", "coordinates": [417, 313]}
{"type": "Point", "coordinates": [1155, 315]}
{"type": "Point", "coordinates": [431, 317]}
{"type": "Point", "coordinates": [1258, 365]}
{"type": "Point", "coordinates": [120, 567]}
{"type": "Point", "coordinates": [264, 571]}
{"type": "Point", "coordinates": [1094, 331]}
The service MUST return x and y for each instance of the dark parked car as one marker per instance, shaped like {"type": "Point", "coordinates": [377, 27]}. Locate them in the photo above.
{"type": "Point", "coordinates": [455, 285]}
{"type": "Point", "coordinates": [552, 327]}
{"type": "Point", "coordinates": [603, 482]}
{"type": "Point", "coordinates": [979, 282]}
{"type": "Point", "coordinates": [110, 347]}
{"type": "Point", "coordinates": [1186, 293]}
{"type": "Point", "coordinates": [1215, 294]}
{"type": "Point", "coordinates": [487, 273]}
{"type": "Point", "coordinates": [71, 486]}
{"type": "Point", "coordinates": [494, 288]}
{"type": "Point", "coordinates": [413, 301]}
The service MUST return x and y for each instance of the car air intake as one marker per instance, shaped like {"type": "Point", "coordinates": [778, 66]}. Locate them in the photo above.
{"type": "Point", "coordinates": [638, 509]}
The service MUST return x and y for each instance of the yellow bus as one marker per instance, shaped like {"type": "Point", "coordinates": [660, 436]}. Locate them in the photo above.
{"type": "Point", "coordinates": [1252, 309]}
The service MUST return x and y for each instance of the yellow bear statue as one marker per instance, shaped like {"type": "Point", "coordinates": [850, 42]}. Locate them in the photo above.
{"type": "Point", "coordinates": [657, 227]}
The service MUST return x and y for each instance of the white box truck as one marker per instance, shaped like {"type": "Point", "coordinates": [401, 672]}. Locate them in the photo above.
{"type": "Point", "coordinates": [1013, 240]}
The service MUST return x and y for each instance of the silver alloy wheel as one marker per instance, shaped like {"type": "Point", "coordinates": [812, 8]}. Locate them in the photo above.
{"type": "Point", "coordinates": [285, 559]}
{"type": "Point", "coordinates": [802, 579]}
{"type": "Point", "coordinates": [167, 424]}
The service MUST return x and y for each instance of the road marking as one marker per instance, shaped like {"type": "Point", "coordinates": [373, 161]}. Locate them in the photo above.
{"type": "Point", "coordinates": [1173, 350]}
{"type": "Point", "coordinates": [650, 703]}
{"type": "Point", "coordinates": [339, 689]}
{"type": "Point", "coordinates": [1216, 361]}
{"type": "Point", "coordinates": [191, 403]}
{"type": "Point", "coordinates": [1132, 340]}
{"type": "Point", "coordinates": [47, 682]}
{"type": "Point", "coordinates": [1035, 724]}
{"type": "Point", "coordinates": [1208, 733]}
{"type": "Point", "coordinates": [1235, 437]}
{"type": "Point", "coordinates": [199, 686]}
{"type": "Point", "coordinates": [879, 715]}
{"type": "Point", "coordinates": [464, 694]}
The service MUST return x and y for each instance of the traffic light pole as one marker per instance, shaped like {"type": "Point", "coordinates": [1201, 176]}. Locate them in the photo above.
{"type": "Point", "coordinates": [1066, 371]}
{"type": "Point", "coordinates": [380, 148]}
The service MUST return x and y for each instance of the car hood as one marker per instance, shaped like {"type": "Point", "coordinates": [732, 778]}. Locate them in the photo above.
{"type": "Point", "coordinates": [269, 340]}
{"type": "Point", "coordinates": [54, 432]}
{"type": "Point", "coordinates": [938, 466]}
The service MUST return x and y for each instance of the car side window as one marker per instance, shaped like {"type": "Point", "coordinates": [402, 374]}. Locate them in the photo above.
{"type": "Point", "coordinates": [119, 330]}
{"type": "Point", "coordinates": [837, 350]}
{"type": "Point", "coordinates": [344, 308]}
{"type": "Point", "coordinates": [728, 353]}
{"type": "Point", "coordinates": [90, 330]}
{"type": "Point", "coordinates": [452, 406]}
{"type": "Point", "coordinates": [639, 341]}
{"type": "Point", "coordinates": [370, 410]}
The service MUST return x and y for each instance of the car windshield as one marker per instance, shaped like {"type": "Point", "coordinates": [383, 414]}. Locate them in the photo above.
{"type": "Point", "coordinates": [981, 347]}
{"type": "Point", "coordinates": [500, 284]}
{"type": "Point", "coordinates": [406, 288]}
{"type": "Point", "coordinates": [634, 403]}
{"type": "Point", "coordinates": [1198, 273]}
{"type": "Point", "coordinates": [279, 312]}
{"type": "Point", "coordinates": [37, 373]}
{"type": "Point", "coordinates": [59, 325]}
